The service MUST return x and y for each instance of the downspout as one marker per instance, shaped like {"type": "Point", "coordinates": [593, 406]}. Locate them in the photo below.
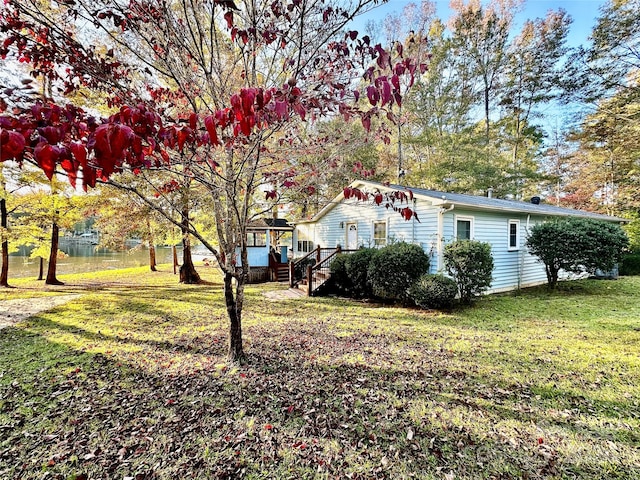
{"type": "Point", "coordinates": [440, 236]}
{"type": "Point", "coordinates": [522, 253]}
{"type": "Point", "coordinates": [413, 223]}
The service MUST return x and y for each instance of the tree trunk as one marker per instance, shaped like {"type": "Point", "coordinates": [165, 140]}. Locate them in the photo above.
{"type": "Point", "coordinates": [41, 271]}
{"type": "Point", "coordinates": [234, 310]}
{"type": "Point", "coordinates": [188, 273]}
{"type": "Point", "coordinates": [175, 258]}
{"type": "Point", "coordinates": [152, 247]}
{"type": "Point", "coordinates": [53, 257]}
{"type": "Point", "coordinates": [552, 276]}
{"type": "Point", "coordinates": [4, 273]}
{"type": "Point", "coordinates": [152, 257]}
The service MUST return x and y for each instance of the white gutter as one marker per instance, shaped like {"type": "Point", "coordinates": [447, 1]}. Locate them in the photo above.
{"type": "Point", "coordinates": [440, 236]}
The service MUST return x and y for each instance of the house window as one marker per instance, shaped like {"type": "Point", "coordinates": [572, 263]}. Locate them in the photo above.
{"type": "Point", "coordinates": [256, 239]}
{"type": "Point", "coordinates": [305, 246]}
{"type": "Point", "coordinates": [379, 234]}
{"type": "Point", "coordinates": [464, 228]}
{"type": "Point", "coordinates": [514, 234]}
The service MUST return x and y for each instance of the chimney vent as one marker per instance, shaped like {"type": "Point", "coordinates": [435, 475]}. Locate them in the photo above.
{"type": "Point", "coordinates": [535, 200]}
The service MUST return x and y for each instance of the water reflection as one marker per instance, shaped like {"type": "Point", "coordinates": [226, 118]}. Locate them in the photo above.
{"type": "Point", "coordinates": [84, 257]}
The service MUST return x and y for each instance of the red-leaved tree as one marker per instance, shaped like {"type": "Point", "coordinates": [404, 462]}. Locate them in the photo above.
{"type": "Point", "coordinates": [210, 92]}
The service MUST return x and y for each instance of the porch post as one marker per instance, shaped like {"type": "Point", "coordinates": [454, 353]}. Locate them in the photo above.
{"type": "Point", "coordinates": [292, 271]}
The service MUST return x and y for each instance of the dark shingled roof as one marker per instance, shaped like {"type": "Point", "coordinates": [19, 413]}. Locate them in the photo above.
{"type": "Point", "coordinates": [270, 223]}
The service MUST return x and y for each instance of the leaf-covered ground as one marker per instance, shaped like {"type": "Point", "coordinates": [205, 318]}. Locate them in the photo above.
{"type": "Point", "coordinates": [129, 381]}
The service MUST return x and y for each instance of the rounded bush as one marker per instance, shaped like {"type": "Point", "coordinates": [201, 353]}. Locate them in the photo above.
{"type": "Point", "coordinates": [357, 267]}
{"type": "Point", "coordinates": [434, 291]}
{"type": "Point", "coordinates": [630, 264]}
{"type": "Point", "coordinates": [395, 268]}
{"type": "Point", "coordinates": [339, 275]}
{"type": "Point", "coordinates": [470, 263]}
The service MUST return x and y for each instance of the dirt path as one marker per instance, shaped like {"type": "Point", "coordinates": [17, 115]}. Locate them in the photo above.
{"type": "Point", "coordinates": [14, 311]}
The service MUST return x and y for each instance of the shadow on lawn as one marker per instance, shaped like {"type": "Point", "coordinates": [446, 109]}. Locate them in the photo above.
{"type": "Point", "coordinates": [302, 407]}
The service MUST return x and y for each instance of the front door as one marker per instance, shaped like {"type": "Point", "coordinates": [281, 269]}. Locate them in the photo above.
{"type": "Point", "coordinates": [352, 236]}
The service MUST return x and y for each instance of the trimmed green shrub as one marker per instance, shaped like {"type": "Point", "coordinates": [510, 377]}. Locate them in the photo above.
{"type": "Point", "coordinates": [434, 291]}
{"type": "Point", "coordinates": [630, 264]}
{"type": "Point", "coordinates": [576, 245]}
{"type": "Point", "coordinates": [470, 264]}
{"type": "Point", "coordinates": [357, 267]}
{"type": "Point", "coordinates": [395, 268]}
{"type": "Point", "coordinates": [339, 275]}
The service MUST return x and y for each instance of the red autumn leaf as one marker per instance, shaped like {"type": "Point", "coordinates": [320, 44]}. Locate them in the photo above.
{"type": "Point", "coordinates": [88, 178]}
{"type": "Point", "coordinates": [268, 426]}
{"type": "Point", "coordinates": [11, 145]}
{"type": "Point", "coordinates": [46, 155]}
{"type": "Point", "coordinates": [366, 123]}
{"type": "Point", "coordinates": [398, 98]}
{"type": "Point", "coordinates": [228, 16]}
{"type": "Point", "coordinates": [210, 125]}
{"type": "Point", "coordinates": [193, 121]}
{"type": "Point", "coordinates": [52, 134]}
{"type": "Point", "coordinates": [300, 110]}
{"type": "Point", "coordinates": [248, 98]}
{"type": "Point", "coordinates": [377, 198]}
{"type": "Point", "coordinates": [395, 81]}
{"type": "Point", "coordinates": [183, 136]}
{"type": "Point", "coordinates": [281, 109]}
{"type": "Point", "coordinates": [109, 143]}
{"type": "Point", "coordinates": [384, 60]}
{"type": "Point", "coordinates": [386, 91]}
{"type": "Point", "coordinates": [79, 152]}
{"type": "Point", "coordinates": [373, 95]}
{"type": "Point", "coordinates": [245, 126]}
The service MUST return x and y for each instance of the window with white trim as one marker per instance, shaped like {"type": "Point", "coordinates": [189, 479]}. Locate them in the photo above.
{"type": "Point", "coordinates": [514, 235]}
{"type": "Point", "coordinates": [379, 234]}
{"type": "Point", "coordinates": [256, 239]}
{"type": "Point", "coordinates": [305, 246]}
{"type": "Point", "coordinates": [463, 228]}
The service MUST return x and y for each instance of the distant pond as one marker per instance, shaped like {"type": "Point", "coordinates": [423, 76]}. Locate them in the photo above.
{"type": "Point", "coordinates": [84, 257]}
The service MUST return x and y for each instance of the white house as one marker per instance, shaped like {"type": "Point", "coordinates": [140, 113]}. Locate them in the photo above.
{"type": "Point", "coordinates": [443, 217]}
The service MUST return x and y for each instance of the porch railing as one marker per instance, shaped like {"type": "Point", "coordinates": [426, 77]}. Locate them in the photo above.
{"type": "Point", "coordinates": [315, 268]}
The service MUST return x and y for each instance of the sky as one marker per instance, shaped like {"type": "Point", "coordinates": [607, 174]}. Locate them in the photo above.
{"type": "Point", "coordinates": [583, 12]}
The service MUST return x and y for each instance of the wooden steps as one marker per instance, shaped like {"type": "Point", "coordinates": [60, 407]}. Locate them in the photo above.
{"type": "Point", "coordinates": [282, 273]}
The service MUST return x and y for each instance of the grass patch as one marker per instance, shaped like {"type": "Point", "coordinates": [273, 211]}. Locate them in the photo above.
{"type": "Point", "coordinates": [130, 380]}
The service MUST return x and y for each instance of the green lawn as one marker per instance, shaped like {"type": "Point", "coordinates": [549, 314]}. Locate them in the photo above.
{"type": "Point", "coordinates": [130, 380]}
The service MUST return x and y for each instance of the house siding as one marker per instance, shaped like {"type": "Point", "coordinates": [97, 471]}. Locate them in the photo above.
{"type": "Point", "coordinates": [513, 268]}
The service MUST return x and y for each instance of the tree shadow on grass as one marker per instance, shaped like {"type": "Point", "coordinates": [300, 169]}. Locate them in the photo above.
{"type": "Point", "coordinates": [305, 406]}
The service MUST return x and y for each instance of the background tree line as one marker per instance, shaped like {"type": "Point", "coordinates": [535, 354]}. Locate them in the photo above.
{"type": "Point", "coordinates": [510, 108]}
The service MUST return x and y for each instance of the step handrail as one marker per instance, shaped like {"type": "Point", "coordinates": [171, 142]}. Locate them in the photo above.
{"type": "Point", "coordinates": [317, 252]}
{"type": "Point", "coordinates": [323, 265]}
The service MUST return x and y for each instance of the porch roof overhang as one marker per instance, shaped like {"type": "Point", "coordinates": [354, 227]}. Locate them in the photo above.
{"type": "Point", "coordinates": [273, 224]}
